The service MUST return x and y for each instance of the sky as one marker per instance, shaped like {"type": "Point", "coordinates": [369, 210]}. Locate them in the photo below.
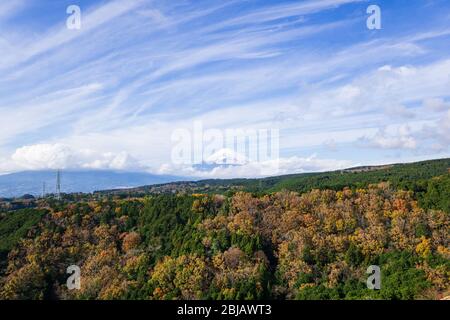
{"type": "Point", "coordinates": [114, 93]}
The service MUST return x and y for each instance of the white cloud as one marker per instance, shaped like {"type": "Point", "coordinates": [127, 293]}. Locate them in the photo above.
{"type": "Point", "coordinates": [330, 144]}
{"type": "Point", "coordinates": [60, 156]}
{"type": "Point", "coordinates": [438, 134]}
{"type": "Point", "coordinates": [131, 83]}
{"type": "Point", "coordinates": [401, 139]}
{"type": "Point", "coordinates": [399, 110]}
{"type": "Point", "coordinates": [259, 169]}
{"type": "Point", "coordinates": [271, 13]}
{"type": "Point", "coordinates": [44, 110]}
{"type": "Point", "coordinates": [61, 35]}
{"type": "Point", "coordinates": [385, 68]}
{"type": "Point", "coordinates": [226, 156]}
{"type": "Point", "coordinates": [436, 104]}
{"type": "Point", "coordinates": [9, 8]}
{"type": "Point", "coordinates": [44, 156]}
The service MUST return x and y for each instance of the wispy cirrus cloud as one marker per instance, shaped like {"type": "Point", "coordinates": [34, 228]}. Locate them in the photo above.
{"type": "Point", "coordinates": [139, 69]}
{"type": "Point", "coordinates": [9, 8]}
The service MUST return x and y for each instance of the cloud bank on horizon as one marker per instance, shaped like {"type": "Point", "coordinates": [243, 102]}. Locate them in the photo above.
{"type": "Point", "coordinates": [110, 95]}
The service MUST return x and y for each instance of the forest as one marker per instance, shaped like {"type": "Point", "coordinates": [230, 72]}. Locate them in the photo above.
{"type": "Point", "coordinates": [291, 241]}
{"type": "Point", "coordinates": [408, 176]}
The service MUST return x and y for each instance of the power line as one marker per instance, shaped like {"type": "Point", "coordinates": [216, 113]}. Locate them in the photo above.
{"type": "Point", "coordinates": [58, 184]}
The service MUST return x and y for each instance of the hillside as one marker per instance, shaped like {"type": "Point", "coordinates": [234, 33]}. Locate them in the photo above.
{"type": "Point", "coordinates": [407, 176]}
{"type": "Point", "coordinates": [317, 245]}
{"type": "Point", "coordinates": [313, 244]}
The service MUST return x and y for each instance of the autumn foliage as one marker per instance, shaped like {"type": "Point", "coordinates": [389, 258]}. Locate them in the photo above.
{"type": "Point", "coordinates": [315, 245]}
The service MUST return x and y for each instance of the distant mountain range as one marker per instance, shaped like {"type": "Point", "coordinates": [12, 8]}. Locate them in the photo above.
{"type": "Point", "coordinates": [31, 182]}
{"type": "Point", "coordinates": [139, 183]}
{"type": "Point", "coordinates": [401, 175]}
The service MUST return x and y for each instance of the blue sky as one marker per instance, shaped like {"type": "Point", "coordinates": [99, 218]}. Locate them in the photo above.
{"type": "Point", "coordinates": [111, 94]}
